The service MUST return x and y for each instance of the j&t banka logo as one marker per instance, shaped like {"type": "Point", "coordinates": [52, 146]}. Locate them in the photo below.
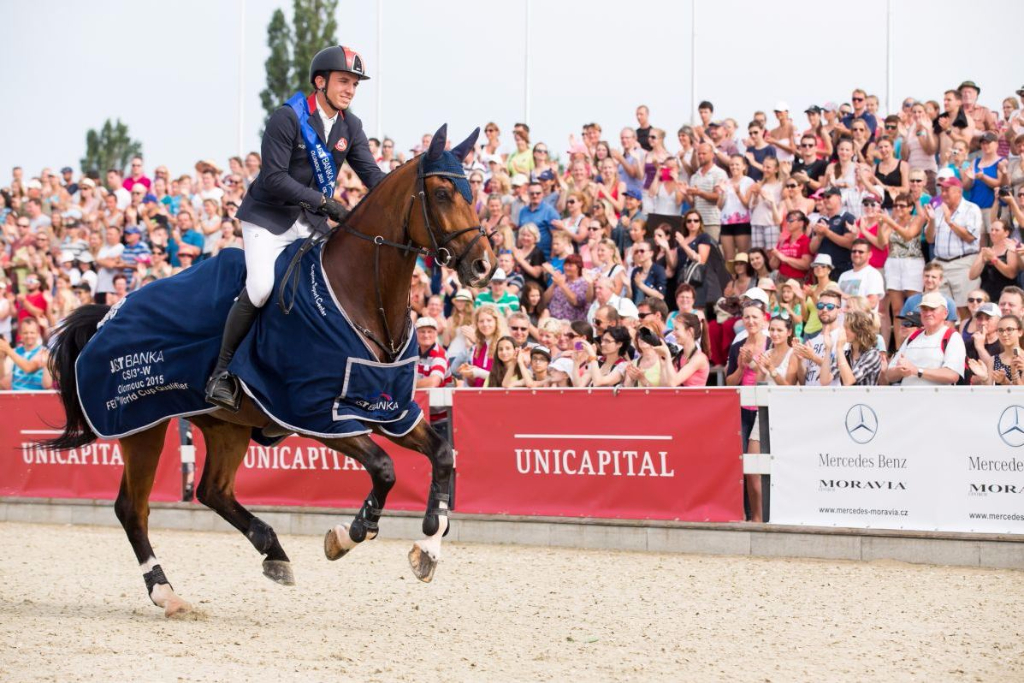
{"type": "Point", "coordinates": [861, 423]}
{"type": "Point", "coordinates": [383, 402]}
{"type": "Point", "coordinates": [1011, 426]}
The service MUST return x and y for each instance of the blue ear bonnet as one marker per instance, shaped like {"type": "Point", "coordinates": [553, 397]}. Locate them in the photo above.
{"type": "Point", "coordinates": [448, 166]}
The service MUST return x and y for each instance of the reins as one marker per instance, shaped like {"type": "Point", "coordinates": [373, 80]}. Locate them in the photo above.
{"type": "Point", "coordinates": [438, 250]}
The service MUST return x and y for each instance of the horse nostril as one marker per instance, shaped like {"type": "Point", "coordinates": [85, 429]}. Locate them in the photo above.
{"type": "Point", "coordinates": [480, 267]}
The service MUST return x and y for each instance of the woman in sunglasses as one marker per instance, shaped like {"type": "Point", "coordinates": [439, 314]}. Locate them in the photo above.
{"type": "Point", "coordinates": [891, 173]}
{"type": "Point", "coordinates": [996, 265]}
{"type": "Point", "coordinates": [492, 144]}
{"type": "Point", "coordinates": [904, 268]}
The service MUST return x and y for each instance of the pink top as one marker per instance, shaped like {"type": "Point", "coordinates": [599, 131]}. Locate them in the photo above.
{"type": "Point", "coordinates": [481, 359]}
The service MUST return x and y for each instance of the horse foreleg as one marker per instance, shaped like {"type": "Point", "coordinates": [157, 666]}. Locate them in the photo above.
{"type": "Point", "coordinates": [226, 445]}
{"type": "Point", "coordinates": [426, 553]}
{"type": "Point", "coordinates": [341, 539]}
{"type": "Point", "coordinates": [141, 453]}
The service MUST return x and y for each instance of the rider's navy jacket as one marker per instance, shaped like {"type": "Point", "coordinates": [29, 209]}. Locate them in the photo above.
{"type": "Point", "coordinates": [286, 176]}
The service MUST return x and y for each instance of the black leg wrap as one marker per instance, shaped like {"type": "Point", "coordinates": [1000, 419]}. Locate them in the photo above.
{"type": "Point", "coordinates": [366, 520]}
{"type": "Point", "coordinates": [261, 535]}
{"type": "Point", "coordinates": [431, 520]}
{"type": "Point", "coordinates": [153, 577]}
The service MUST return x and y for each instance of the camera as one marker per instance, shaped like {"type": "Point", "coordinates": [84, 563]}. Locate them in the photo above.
{"type": "Point", "coordinates": [1004, 191]}
{"type": "Point", "coordinates": [648, 336]}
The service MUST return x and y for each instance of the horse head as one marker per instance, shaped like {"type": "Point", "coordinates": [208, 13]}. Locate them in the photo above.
{"type": "Point", "coordinates": [450, 223]}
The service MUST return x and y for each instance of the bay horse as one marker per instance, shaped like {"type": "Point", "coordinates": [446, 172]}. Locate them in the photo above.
{"type": "Point", "coordinates": [372, 254]}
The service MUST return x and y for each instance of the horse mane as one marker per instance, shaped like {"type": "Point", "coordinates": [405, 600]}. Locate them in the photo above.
{"type": "Point", "coordinates": [385, 182]}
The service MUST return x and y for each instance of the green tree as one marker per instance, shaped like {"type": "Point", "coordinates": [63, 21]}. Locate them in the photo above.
{"type": "Point", "coordinates": [279, 64]}
{"type": "Point", "coordinates": [111, 147]}
{"type": "Point", "coordinates": [292, 48]}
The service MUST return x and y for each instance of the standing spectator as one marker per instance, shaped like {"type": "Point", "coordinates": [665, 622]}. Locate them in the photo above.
{"type": "Point", "coordinates": [691, 367]}
{"type": "Point", "coordinates": [135, 253]}
{"type": "Point", "coordinates": [757, 151]}
{"type": "Point", "coordinates": [109, 263]}
{"type": "Point", "coordinates": [643, 127]}
{"type": "Point", "coordinates": [842, 174]}
{"type": "Point", "coordinates": [541, 215]}
{"type": "Point", "coordinates": [521, 160]}
{"type": "Point", "coordinates": [860, 111]}
{"type": "Point", "coordinates": [996, 266]}
{"type": "Point", "coordinates": [432, 369]}
{"type": "Point", "coordinates": [892, 174]}
{"type": "Point", "coordinates": [859, 362]}
{"type": "Point", "coordinates": [821, 270]}
{"type": "Point", "coordinates": [630, 161]}
{"type": "Point", "coordinates": [765, 199]}
{"type": "Point", "coordinates": [704, 190]}
{"type": "Point", "coordinates": [783, 136]}
{"type": "Point", "coordinates": [691, 256]}
{"type": "Point", "coordinates": [778, 365]}
{"type": "Point", "coordinates": [645, 371]}
{"type": "Point", "coordinates": [833, 233]}
{"type": "Point", "coordinates": [741, 370]}
{"type": "Point", "coordinates": [137, 176]}
{"type": "Point", "coordinates": [1011, 301]}
{"type": "Point", "coordinates": [1007, 366]}
{"type": "Point", "coordinates": [498, 296]}
{"type": "Point", "coordinates": [986, 174]}
{"type": "Point", "coordinates": [862, 279]}
{"type": "Point", "coordinates": [931, 282]}
{"type": "Point", "coordinates": [734, 197]}
{"type": "Point", "coordinates": [24, 366]}
{"type": "Point", "coordinates": [32, 303]}
{"type": "Point", "coordinates": [904, 268]}
{"type": "Point", "coordinates": [955, 231]}
{"type": "Point", "coordinates": [115, 184]}
{"type": "Point", "coordinates": [816, 352]}
{"type": "Point", "coordinates": [647, 278]}
{"type": "Point", "coordinates": [935, 355]}
{"type": "Point", "coordinates": [921, 145]}
{"type": "Point", "coordinates": [519, 329]}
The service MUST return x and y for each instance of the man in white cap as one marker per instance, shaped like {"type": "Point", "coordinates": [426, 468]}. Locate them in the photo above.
{"type": "Point", "coordinates": [498, 295]}
{"type": "Point", "coordinates": [432, 368]}
{"type": "Point", "coordinates": [932, 356]}
{"type": "Point", "coordinates": [781, 137]}
{"type": "Point", "coordinates": [954, 231]}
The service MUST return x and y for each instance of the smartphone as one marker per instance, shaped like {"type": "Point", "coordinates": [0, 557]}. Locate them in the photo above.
{"type": "Point", "coordinates": [579, 346]}
{"type": "Point", "coordinates": [666, 175]}
{"type": "Point", "coordinates": [1016, 350]}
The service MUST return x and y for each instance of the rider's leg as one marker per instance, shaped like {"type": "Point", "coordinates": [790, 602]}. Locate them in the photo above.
{"type": "Point", "coordinates": [261, 251]}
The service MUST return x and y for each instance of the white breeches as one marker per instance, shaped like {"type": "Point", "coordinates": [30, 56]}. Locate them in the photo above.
{"type": "Point", "coordinates": [262, 248]}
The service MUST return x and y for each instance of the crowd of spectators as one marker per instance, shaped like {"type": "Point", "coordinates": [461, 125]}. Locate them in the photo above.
{"type": "Point", "coordinates": [833, 246]}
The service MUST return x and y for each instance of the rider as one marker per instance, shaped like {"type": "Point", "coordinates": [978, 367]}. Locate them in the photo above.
{"type": "Point", "coordinates": [289, 199]}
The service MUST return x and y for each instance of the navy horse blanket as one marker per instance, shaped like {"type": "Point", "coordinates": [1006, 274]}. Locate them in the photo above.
{"type": "Point", "coordinates": [310, 370]}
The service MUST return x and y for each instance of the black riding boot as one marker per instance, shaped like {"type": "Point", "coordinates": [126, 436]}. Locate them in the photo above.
{"type": "Point", "coordinates": [222, 390]}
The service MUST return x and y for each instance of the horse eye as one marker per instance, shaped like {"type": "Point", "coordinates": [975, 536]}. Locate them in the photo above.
{"type": "Point", "coordinates": [442, 195]}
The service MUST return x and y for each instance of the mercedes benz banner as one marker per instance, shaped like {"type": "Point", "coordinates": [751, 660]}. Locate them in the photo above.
{"type": "Point", "coordinates": [949, 459]}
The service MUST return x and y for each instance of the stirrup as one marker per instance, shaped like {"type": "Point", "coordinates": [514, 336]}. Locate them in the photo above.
{"type": "Point", "coordinates": [223, 391]}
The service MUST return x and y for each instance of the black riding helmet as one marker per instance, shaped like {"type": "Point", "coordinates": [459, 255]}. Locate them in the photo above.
{"type": "Point", "coordinates": [337, 58]}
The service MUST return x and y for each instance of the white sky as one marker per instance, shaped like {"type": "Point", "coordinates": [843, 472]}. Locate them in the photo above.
{"type": "Point", "coordinates": [170, 70]}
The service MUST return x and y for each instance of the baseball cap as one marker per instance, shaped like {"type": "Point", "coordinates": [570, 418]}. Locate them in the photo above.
{"type": "Point", "coordinates": [463, 295]}
{"type": "Point", "coordinates": [563, 364]}
{"type": "Point", "coordinates": [794, 285]}
{"type": "Point", "coordinates": [132, 230]}
{"type": "Point", "coordinates": [635, 194]}
{"type": "Point", "coordinates": [541, 351]}
{"type": "Point", "coordinates": [85, 257]}
{"type": "Point", "coordinates": [951, 182]}
{"type": "Point", "coordinates": [67, 169]}
{"type": "Point", "coordinates": [944, 173]}
{"type": "Point", "coordinates": [781, 105]}
{"type": "Point", "coordinates": [933, 300]}
{"type": "Point", "coordinates": [813, 109]}
{"type": "Point", "coordinates": [34, 184]}
{"type": "Point", "coordinates": [832, 192]}
{"type": "Point", "coordinates": [519, 179]}
{"type": "Point", "coordinates": [988, 308]}
{"type": "Point", "coordinates": [3, 285]}
{"type": "Point", "coordinates": [490, 158]}
{"type": "Point", "coordinates": [67, 257]}
{"type": "Point", "coordinates": [989, 136]}
{"type": "Point", "coordinates": [714, 124]}
{"type": "Point", "coordinates": [823, 260]}
{"type": "Point", "coordinates": [426, 321]}
{"type": "Point", "coordinates": [149, 199]}
{"type": "Point", "coordinates": [86, 182]}
{"type": "Point", "coordinates": [546, 174]}
{"type": "Point", "coordinates": [767, 284]}
{"type": "Point", "coordinates": [757, 294]}
{"type": "Point", "coordinates": [830, 106]}
{"type": "Point", "coordinates": [969, 84]}
{"type": "Point", "coordinates": [741, 258]}
{"type": "Point", "coordinates": [818, 194]}
{"type": "Point", "coordinates": [499, 276]}
{"type": "Point", "coordinates": [31, 278]}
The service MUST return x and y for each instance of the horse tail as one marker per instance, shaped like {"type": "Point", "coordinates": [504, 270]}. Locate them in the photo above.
{"type": "Point", "coordinates": [71, 337]}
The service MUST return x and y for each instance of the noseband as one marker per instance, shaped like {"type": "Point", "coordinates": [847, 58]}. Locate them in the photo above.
{"type": "Point", "coordinates": [438, 250]}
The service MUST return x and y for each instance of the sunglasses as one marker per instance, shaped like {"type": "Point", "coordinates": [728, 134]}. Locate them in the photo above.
{"type": "Point", "coordinates": [535, 194]}
{"type": "Point", "coordinates": [692, 220]}
{"type": "Point", "coordinates": [643, 315]}
{"type": "Point", "coordinates": [975, 300]}
{"type": "Point", "coordinates": [519, 329]}
{"type": "Point", "coordinates": [541, 151]}
{"type": "Point", "coordinates": [570, 201]}
{"type": "Point", "coordinates": [640, 251]}
{"type": "Point", "coordinates": [791, 186]}
{"type": "Point", "coordinates": [827, 307]}
{"type": "Point", "coordinates": [476, 182]}
{"type": "Point", "coordinates": [490, 130]}
{"type": "Point", "coordinates": [890, 127]}
{"type": "Point", "coordinates": [805, 146]}
{"type": "Point", "coordinates": [857, 99]}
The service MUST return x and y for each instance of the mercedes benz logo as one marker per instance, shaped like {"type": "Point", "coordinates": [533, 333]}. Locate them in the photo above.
{"type": "Point", "coordinates": [1011, 429]}
{"type": "Point", "coordinates": [862, 423]}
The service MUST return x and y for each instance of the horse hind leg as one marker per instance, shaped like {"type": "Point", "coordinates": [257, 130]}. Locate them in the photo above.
{"type": "Point", "coordinates": [341, 539]}
{"type": "Point", "coordinates": [226, 445]}
{"type": "Point", "coordinates": [426, 552]}
{"type": "Point", "coordinates": [141, 454]}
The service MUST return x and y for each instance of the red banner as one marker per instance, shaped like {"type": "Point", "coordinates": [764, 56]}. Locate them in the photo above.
{"type": "Point", "coordinates": [304, 472]}
{"type": "Point", "coordinates": [633, 454]}
{"type": "Point", "coordinates": [92, 471]}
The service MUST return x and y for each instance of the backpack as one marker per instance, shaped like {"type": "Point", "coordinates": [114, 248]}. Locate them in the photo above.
{"type": "Point", "coordinates": [946, 336]}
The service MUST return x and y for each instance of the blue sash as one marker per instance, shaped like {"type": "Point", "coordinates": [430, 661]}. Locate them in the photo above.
{"type": "Point", "coordinates": [319, 157]}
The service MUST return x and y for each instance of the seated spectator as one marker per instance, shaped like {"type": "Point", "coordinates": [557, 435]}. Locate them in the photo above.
{"type": "Point", "coordinates": [607, 369]}
{"type": "Point", "coordinates": [933, 356]}
{"type": "Point", "coordinates": [1007, 366]}
{"type": "Point", "coordinates": [817, 350]}
{"type": "Point", "coordinates": [997, 265]}
{"type": "Point", "coordinates": [605, 296]}
{"type": "Point", "coordinates": [788, 305]}
{"type": "Point", "coordinates": [536, 375]}
{"type": "Point", "coordinates": [645, 371]}
{"type": "Point", "coordinates": [606, 318]}
{"type": "Point", "coordinates": [498, 295]}
{"type": "Point", "coordinates": [862, 279]}
{"type": "Point", "coordinates": [567, 296]}
{"type": "Point", "coordinates": [691, 367]}
{"type": "Point", "coordinates": [760, 265]}
{"type": "Point", "coordinates": [519, 329]}
{"type": "Point", "coordinates": [741, 279]}
{"type": "Point", "coordinates": [981, 342]}
{"type": "Point", "coordinates": [1011, 301]}
{"type": "Point", "coordinates": [531, 302]}
{"type": "Point", "coordinates": [856, 360]}
{"type": "Point", "coordinates": [931, 282]}
{"type": "Point", "coordinates": [778, 365]}
{"type": "Point", "coordinates": [432, 368]}
{"type": "Point", "coordinates": [488, 327]}
{"type": "Point", "coordinates": [24, 366]}
{"type": "Point", "coordinates": [505, 372]}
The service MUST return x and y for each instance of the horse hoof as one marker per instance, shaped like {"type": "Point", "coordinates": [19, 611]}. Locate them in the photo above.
{"type": "Point", "coordinates": [279, 572]}
{"type": "Point", "coordinates": [423, 565]}
{"type": "Point", "coordinates": [175, 606]}
{"type": "Point", "coordinates": [332, 544]}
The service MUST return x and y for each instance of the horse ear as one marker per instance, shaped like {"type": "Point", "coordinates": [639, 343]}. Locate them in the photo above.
{"type": "Point", "coordinates": [462, 149]}
{"type": "Point", "coordinates": [437, 143]}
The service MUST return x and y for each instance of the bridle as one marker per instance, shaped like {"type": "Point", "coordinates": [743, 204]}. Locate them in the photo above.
{"type": "Point", "coordinates": [438, 250]}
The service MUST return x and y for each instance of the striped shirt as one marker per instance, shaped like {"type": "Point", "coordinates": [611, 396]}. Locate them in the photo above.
{"type": "Point", "coordinates": [27, 381]}
{"type": "Point", "coordinates": [434, 363]}
{"type": "Point", "coordinates": [948, 244]}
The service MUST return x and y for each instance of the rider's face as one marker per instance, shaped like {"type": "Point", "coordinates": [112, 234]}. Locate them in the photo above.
{"type": "Point", "coordinates": [341, 88]}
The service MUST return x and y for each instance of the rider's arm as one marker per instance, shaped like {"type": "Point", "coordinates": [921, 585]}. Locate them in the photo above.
{"type": "Point", "coordinates": [278, 141]}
